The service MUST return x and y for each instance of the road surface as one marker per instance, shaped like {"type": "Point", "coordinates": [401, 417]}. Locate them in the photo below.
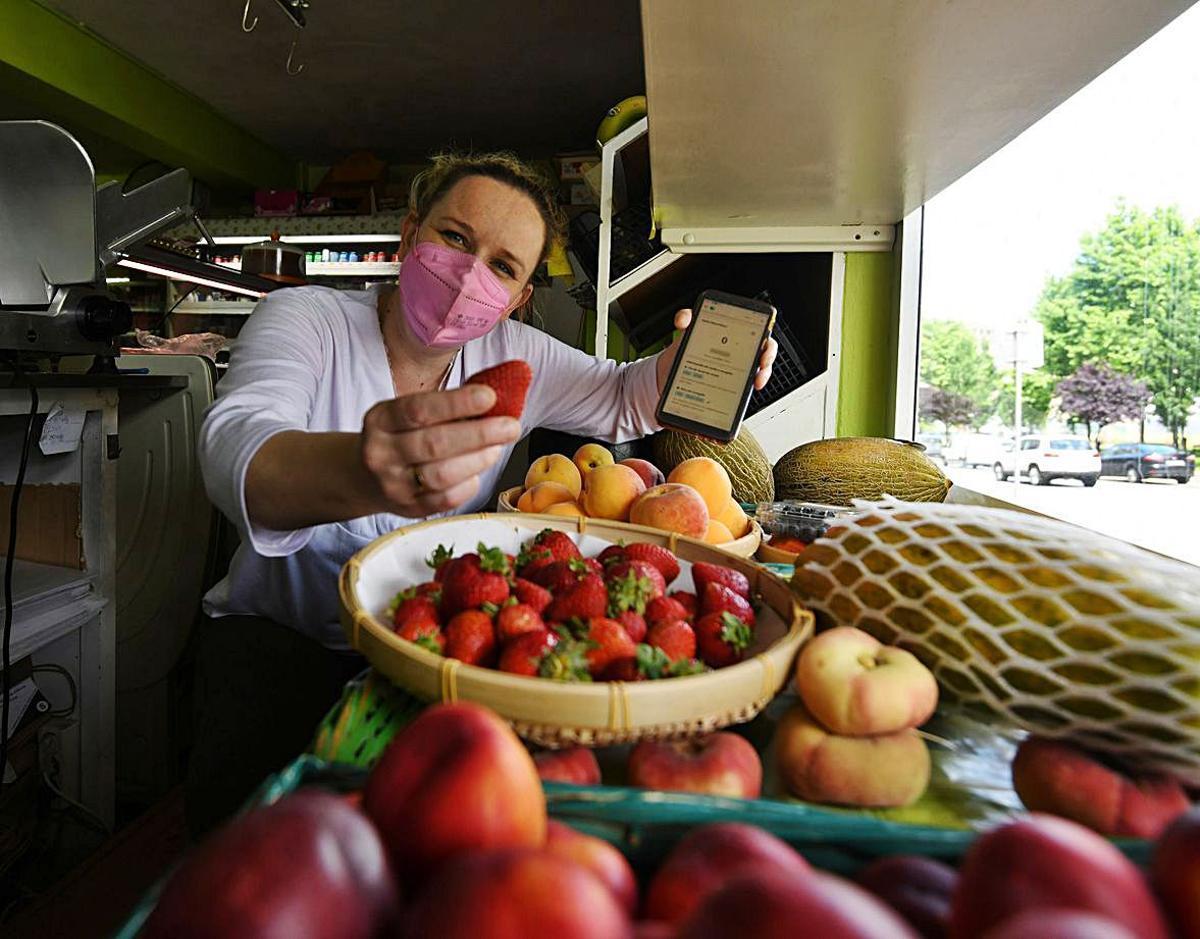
{"type": "Point", "coordinates": [1163, 516]}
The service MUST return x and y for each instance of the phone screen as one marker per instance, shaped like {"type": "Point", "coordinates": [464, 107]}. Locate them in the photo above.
{"type": "Point", "coordinates": [721, 352]}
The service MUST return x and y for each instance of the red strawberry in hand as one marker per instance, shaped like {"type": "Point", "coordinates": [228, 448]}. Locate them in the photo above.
{"type": "Point", "coordinates": [657, 555]}
{"type": "Point", "coordinates": [524, 655]}
{"type": "Point", "coordinates": [471, 638]}
{"type": "Point", "coordinates": [665, 610]}
{"type": "Point", "coordinates": [704, 573]}
{"type": "Point", "coordinates": [584, 599]}
{"type": "Point", "coordinates": [516, 620]}
{"type": "Point", "coordinates": [634, 623]}
{"type": "Point", "coordinates": [424, 632]}
{"type": "Point", "coordinates": [531, 594]}
{"type": "Point", "coordinates": [689, 602]}
{"type": "Point", "coordinates": [510, 381]}
{"type": "Point", "coordinates": [722, 639]}
{"type": "Point", "coordinates": [677, 639]}
{"type": "Point", "coordinates": [610, 644]}
{"type": "Point", "coordinates": [717, 598]}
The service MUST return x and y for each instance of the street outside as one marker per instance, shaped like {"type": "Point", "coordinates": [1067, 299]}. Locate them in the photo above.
{"type": "Point", "coordinates": [1163, 516]}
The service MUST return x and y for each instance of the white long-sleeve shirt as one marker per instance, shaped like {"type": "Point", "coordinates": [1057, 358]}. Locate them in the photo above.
{"type": "Point", "coordinates": [313, 359]}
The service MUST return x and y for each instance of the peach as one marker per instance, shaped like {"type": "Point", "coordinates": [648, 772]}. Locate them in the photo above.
{"type": "Point", "coordinates": [706, 858]}
{"type": "Point", "coordinates": [540, 497]}
{"type": "Point", "coordinates": [1175, 872]}
{"type": "Point", "coordinates": [590, 456]}
{"type": "Point", "coordinates": [721, 764]}
{"type": "Point", "coordinates": [567, 509]}
{"type": "Point", "coordinates": [599, 857]}
{"type": "Point", "coordinates": [455, 780]}
{"type": "Point", "coordinates": [717, 533]}
{"type": "Point", "coordinates": [733, 518]}
{"type": "Point", "coordinates": [651, 474]}
{"type": "Point", "coordinates": [518, 892]}
{"type": "Point", "coordinates": [1044, 861]}
{"type": "Point", "coordinates": [554, 468]}
{"type": "Point", "coordinates": [1059, 924]}
{"type": "Point", "coordinates": [774, 905]}
{"type": "Point", "coordinates": [918, 888]}
{"type": "Point", "coordinates": [855, 685]}
{"type": "Point", "coordinates": [707, 477]}
{"type": "Point", "coordinates": [575, 765]}
{"type": "Point", "coordinates": [1059, 778]}
{"type": "Point", "coordinates": [878, 772]}
{"type": "Point", "coordinates": [609, 491]}
{"type": "Point", "coordinates": [672, 507]}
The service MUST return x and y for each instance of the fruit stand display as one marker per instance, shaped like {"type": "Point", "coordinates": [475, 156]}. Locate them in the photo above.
{"type": "Point", "coordinates": [581, 727]}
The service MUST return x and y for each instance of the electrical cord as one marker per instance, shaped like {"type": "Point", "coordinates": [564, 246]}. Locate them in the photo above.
{"type": "Point", "coordinates": [183, 296]}
{"type": "Point", "coordinates": [9, 561]}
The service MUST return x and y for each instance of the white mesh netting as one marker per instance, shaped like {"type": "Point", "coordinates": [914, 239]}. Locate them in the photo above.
{"type": "Point", "coordinates": [1027, 620]}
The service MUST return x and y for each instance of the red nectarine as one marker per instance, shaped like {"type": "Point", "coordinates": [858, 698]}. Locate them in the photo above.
{"type": "Point", "coordinates": [455, 780]}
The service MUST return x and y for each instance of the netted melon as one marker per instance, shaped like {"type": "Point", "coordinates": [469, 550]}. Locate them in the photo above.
{"type": "Point", "coordinates": [842, 469]}
{"type": "Point", "coordinates": [1035, 622]}
{"type": "Point", "coordinates": [744, 459]}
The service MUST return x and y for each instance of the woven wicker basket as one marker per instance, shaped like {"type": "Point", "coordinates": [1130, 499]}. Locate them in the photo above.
{"type": "Point", "coordinates": [743, 547]}
{"type": "Point", "coordinates": [558, 714]}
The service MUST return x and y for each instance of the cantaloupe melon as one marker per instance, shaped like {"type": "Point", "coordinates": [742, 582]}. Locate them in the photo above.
{"type": "Point", "coordinates": [840, 470]}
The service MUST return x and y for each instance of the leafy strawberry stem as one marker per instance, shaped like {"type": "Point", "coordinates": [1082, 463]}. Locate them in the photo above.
{"type": "Point", "coordinates": [736, 633]}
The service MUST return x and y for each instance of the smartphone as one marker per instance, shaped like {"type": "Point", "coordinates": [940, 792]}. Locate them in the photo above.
{"type": "Point", "coordinates": [713, 374]}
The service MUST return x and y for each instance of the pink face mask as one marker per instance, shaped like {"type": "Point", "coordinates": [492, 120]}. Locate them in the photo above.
{"type": "Point", "coordinates": [449, 297]}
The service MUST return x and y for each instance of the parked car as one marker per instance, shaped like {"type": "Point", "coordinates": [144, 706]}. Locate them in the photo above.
{"type": "Point", "coordinates": [1046, 457]}
{"type": "Point", "coordinates": [1138, 461]}
{"type": "Point", "coordinates": [976, 450]}
{"type": "Point", "coordinates": [933, 447]}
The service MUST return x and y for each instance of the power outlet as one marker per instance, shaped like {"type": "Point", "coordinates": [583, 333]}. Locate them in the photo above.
{"type": "Point", "coordinates": [49, 752]}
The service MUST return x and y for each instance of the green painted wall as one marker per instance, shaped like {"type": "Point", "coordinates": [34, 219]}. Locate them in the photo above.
{"type": "Point", "coordinates": [53, 67]}
{"type": "Point", "coordinates": [870, 323]}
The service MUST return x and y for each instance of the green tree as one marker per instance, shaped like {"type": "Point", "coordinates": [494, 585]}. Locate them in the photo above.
{"type": "Point", "coordinates": [1132, 300]}
{"type": "Point", "coordinates": [1037, 392]}
{"type": "Point", "coordinates": [957, 362]}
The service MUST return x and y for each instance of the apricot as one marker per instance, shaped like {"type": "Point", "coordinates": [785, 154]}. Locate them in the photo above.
{"type": "Point", "coordinates": [542, 496]}
{"type": "Point", "coordinates": [554, 468]}
{"type": "Point", "coordinates": [609, 491]}
{"type": "Point", "coordinates": [707, 477]}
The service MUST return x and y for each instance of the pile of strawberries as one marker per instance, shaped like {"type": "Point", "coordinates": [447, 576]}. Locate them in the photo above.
{"type": "Point", "coordinates": [553, 613]}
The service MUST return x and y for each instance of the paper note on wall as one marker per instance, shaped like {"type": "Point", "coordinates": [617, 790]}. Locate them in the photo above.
{"type": "Point", "coordinates": [63, 429]}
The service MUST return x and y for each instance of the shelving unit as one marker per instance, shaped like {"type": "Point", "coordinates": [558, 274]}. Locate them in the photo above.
{"type": "Point", "coordinates": [805, 412]}
{"type": "Point", "coordinates": [65, 610]}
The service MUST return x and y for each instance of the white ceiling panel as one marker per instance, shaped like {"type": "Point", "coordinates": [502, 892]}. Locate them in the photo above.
{"type": "Point", "coordinates": [839, 112]}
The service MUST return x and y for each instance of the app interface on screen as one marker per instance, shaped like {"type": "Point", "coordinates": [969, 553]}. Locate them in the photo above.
{"type": "Point", "coordinates": [723, 347]}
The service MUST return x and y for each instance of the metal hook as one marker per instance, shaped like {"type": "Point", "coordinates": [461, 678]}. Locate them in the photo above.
{"type": "Point", "coordinates": [291, 55]}
{"type": "Point", "coordinates": [246, 16]}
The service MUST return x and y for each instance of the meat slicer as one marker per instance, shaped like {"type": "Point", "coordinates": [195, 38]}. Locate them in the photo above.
{"type": "Point", "coordinates": [58, 233]}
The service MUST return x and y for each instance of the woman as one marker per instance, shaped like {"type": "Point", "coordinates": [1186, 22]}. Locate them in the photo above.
{"type": "Point", "coordinates": [344, 416]}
